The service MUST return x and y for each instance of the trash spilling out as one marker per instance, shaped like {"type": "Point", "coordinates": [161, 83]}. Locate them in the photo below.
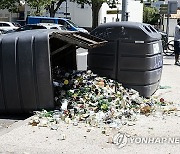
{"type": "Point", "coordinates": [84, 97]}
{"type": "Point", "coordinates": [164, 87]}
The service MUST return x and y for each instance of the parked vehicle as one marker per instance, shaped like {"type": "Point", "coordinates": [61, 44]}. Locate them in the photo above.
{"type": "Point", "coordinates": [2, 31]}
{"type": "Point", "coordinates": [6, 26]}
{"type": "Point", "coordinates": [37, 26]}
{"type": "Point", "coordinates": [41, 26]}
{"type": "Point", "coordinates": [63, 21]}
{"type": "Point", "coordinates": [70, 25]}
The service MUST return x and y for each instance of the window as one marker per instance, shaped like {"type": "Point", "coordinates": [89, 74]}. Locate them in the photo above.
{"type": "Point", "coordinates": [62, 28]}
{"type": "Point", "coordinates": [30, 27]}
{"type": "Point", "coordinates": [47, 21]}
{"type": "Point", "coordinates": [16, 24]}
{"type": "Point", "coordinates": [72, 23]}
{"type": "Point", "coordinates": [104, 19]}
{"type": "Point", "coordinates": [61, 22]}
{"type": "Point", "coordinates": [7, 15]}
{"type": "Point", "coordinates": [28, 12]}
{"type": "Point", "coordinates": [53, 28]}
{"type": "Point", "coordinates": [5, 25]}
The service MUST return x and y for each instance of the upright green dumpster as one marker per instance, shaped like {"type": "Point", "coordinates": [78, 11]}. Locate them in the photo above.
{"type": "Point", "coordinates": [132, 56]}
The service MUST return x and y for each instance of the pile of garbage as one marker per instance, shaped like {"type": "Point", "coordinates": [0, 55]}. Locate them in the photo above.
{"type": "Point", "coordinates": [81, 96]}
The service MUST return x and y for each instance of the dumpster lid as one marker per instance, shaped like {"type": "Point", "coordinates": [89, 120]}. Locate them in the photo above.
{"type": "Point", "coordinates": [127, 31]}
{"type": "Point", "coordinates": [80, 39]}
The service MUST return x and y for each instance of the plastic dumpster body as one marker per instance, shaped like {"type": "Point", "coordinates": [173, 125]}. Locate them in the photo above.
{"type": "Point", "coordinates": [132, 56]}
{"type": "Point", "coordinates": [26, 60]}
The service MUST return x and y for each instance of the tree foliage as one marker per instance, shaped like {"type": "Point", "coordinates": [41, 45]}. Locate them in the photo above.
{"type": "Point", "coordinates": [11, 5]}
{"type": "Point", "coordinates": [150, 15]}
{"type": "Point", "coordinates": [38, 5]}
{"type": "Point", "coordinates": [52, 6]}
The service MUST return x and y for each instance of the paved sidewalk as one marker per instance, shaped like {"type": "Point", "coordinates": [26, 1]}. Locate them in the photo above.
{"type": "Point", "coordinates": [25, 139]}
{"type": "Point", "coordinates": [170, 80]}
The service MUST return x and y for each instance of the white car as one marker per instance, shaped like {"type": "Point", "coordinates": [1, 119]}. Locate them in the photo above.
{"type": "Point", "coordinates": [6, 26]}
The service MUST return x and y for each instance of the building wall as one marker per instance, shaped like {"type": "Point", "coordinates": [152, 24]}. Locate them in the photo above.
{"type": "Point", "coordinates": [134, 9]}
{"type": "Point", "coordinates": [166, 1]}
{"type": "Point", "coordinates": [172, 24]}
{"type": "Point", "coordinates": [172, 19]}
{"type": "Point", "coordinates": [80, 16]}
{"type": "Point", "coordinates": [6, 16]}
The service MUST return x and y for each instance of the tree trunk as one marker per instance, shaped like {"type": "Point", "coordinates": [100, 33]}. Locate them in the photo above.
{"type": "Point", "coordinates": [51, 12]}
{"type": "Point", "coordinates": [37, 13]}
{"type": "Point", "coordinates": [94, 18]}
{"type": "Point", "coordinates": [51, 9]}
{"type": "Point", "coordinates": [96, 5]}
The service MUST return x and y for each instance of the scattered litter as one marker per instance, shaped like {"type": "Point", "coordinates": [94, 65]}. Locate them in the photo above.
{"type": "Point", "coordinates": [110, 140]}
{"type": "Point", "coordinates": [88, 130]}
{"type": "Point", "coordinates": [63, 137]}
{"type": "Point", "coordinates": [75, 123]}
{"type": "Point", "coordinates": [131, 124]}
{"type": "Point", "coordinates": [82, 96]}
{"type": "Point", "coordinates": [103, 132]}
{"type": "Point", "coordinates": [54, 127]}
{"type": "Point", "coordinates": [43, 123]}
{"type": "Point", "coordinates": [145, 110]}
{"type": "Point", "coordinates": [164, 87]}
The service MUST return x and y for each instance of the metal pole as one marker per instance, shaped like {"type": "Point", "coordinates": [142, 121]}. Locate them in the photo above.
{"type": "Point", "coordinates": [66, 8]}
{"type": "Point", "coordinates": [117, 19]}
{"type": "Point", "coordinates": [124, 10]}
{"type": "Point", "coordinates": [167, 27]}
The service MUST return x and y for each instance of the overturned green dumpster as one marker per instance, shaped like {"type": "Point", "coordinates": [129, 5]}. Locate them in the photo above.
{"type": "Point", "coordinates": [26, 59]}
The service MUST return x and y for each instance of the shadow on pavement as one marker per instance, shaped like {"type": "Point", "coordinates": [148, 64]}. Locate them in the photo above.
{"type": "Point", "coordinates": [167, 64]}
{"type": "Point", "coordinates": [18, 116]}
{"type": "Point", "coordinates": [168, 57]}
